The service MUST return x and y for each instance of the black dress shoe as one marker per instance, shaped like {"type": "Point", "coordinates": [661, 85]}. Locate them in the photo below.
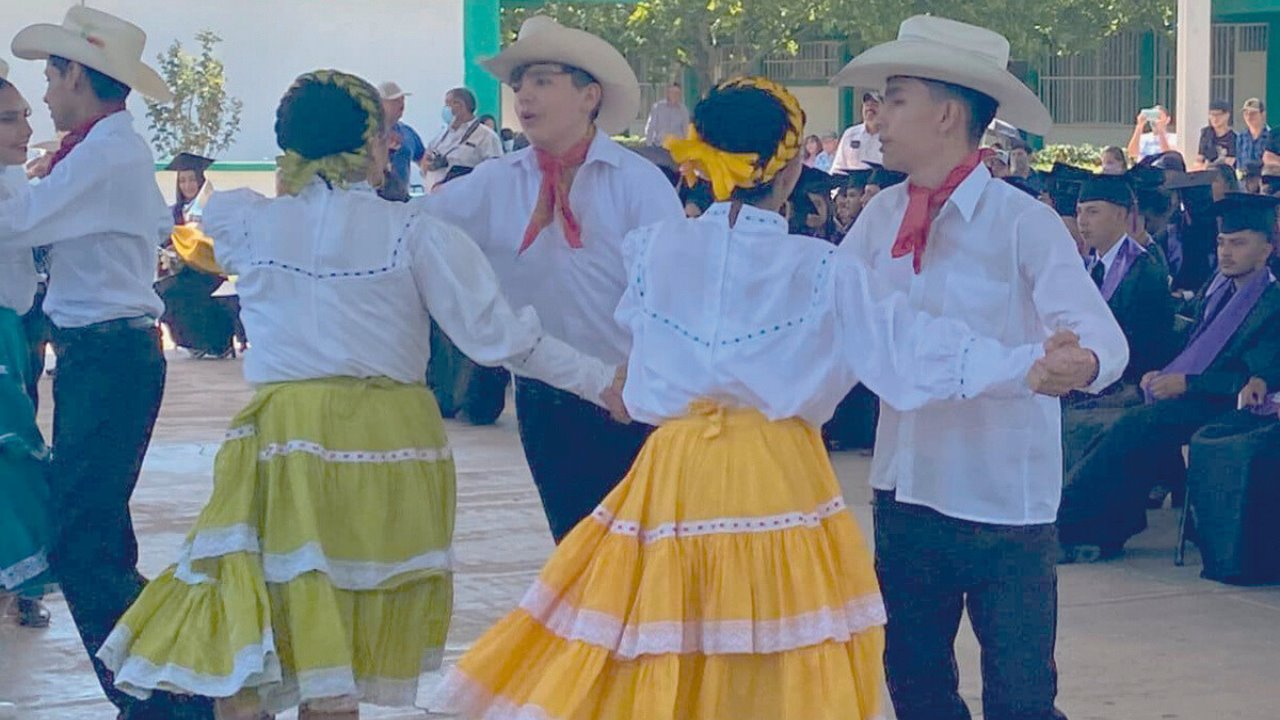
{"type": "Point", "coordinates": [1085, 553]}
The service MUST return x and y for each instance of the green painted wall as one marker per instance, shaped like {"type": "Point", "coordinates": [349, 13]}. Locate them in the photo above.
{"type": "Point", "coordinates": [482, 38]}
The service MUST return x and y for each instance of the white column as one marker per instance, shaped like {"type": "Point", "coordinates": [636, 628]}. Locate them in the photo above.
{"type": "Point", "coordinates": [1195, 68]}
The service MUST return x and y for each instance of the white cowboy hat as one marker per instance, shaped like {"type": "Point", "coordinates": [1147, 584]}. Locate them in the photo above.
{"type": "Point", "coordinates": [933, 48]}
{"type": "Point", "coordinates": [96, 40]}
{"type": "Point", "coordinates": [543, 40]}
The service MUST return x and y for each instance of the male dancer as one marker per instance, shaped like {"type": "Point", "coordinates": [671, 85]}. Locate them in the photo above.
{"type": "Point", "coordinates": [551, 219]}
{"type": "Point", "coordinates": [102, 215]}
{"type": "Point", "coordinates": [967, 491]}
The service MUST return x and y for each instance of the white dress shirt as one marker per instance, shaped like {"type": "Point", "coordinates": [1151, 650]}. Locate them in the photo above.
{"type": "Point", "coordinates": [750, 316]}
{"type": "Point", "coordinates": [1109, 257]}
{"type": "Point", "coordinates": [857, 148]}
{"type": "Point", "coordinates": [103, 216]}
{"type": "Point", "coordinates": [1149, 144]}
{"type": "Point", "coordinates": [575, 291]}
{"type": "Point", "coordinates": [343, 283]}
{"type": "Point", "coordinates": [483, 144]}
{"type": "Point", "coordinates": [17, 265]}
{"type": "Point", "coordinates": [1004, 263]}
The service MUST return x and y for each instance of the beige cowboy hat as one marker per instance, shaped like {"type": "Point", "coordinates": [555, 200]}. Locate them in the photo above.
{"type": "Point", "coordinates": [934, 48]}
{"type": "Point", "coordinates": [543, 40]}
{"type": "Point", "coordinates": [97, 40]}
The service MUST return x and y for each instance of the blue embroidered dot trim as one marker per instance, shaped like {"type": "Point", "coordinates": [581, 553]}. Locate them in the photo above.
{"type": "Point", "coordinates": [392, 265]}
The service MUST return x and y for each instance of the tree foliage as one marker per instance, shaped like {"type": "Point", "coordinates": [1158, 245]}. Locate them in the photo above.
{"type": "Point", "coordinates": [666, 36]}
{"type": "Point", "coordinates": [202, 119]}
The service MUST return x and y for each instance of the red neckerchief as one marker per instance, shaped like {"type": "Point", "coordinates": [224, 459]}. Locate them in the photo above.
{"type": "Point", "coordinates": [74, 138]}
{"type": "Point", "coordinates": [923, 206]}
{"type": "Point", "coordinates": [554, 193]}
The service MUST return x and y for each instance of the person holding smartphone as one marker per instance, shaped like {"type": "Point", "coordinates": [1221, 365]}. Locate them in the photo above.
{"type": "Point", "coordinates": [1152, 134]}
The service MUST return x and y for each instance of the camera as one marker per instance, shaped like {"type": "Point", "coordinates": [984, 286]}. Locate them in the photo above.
{"type": "Point", "coordinates": [436, 161]}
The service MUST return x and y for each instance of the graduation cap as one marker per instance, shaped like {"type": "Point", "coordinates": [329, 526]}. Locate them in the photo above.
{"type": "Point", "coordinates": [1238, 212]}
{"type": "Point", "coordinates": [1148, 188]}
{"type": "Point", "coordinates": [854, 179]}
{"type": "Point", "coordinates": [1114, 189]}
{"type": "Point", "coordinates": [884, 178]}
{"type": "Point", "coordinates": [1187, 180]}
{"type": "Point", "coordinates": [1064, 183]}
{"type": "Point", "coordinates": [1171, 160]}
{"type": "Point", "coordinates": [1196, 191]}
{"type": "Point", "coordinates": [816, 182]}
{"type": "Point", "coordinates": [1026, 185]}
{"type": "Point", "coordinates": [189, 161]}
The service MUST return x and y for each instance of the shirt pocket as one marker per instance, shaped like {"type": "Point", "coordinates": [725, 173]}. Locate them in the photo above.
{"type": "Point", "coordinates": [980, 303]}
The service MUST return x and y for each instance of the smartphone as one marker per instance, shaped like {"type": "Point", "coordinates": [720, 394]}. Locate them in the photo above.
{"type": "Point", "coordinates": [1151, 114]}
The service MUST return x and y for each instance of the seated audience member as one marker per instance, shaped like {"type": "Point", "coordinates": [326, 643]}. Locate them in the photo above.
{"type": "Point", "coordinates": [1135, 284]}
{"type": "Point", "coordinates": [1235, 335]}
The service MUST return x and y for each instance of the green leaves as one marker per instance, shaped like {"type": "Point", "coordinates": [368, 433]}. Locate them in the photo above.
{"type": "Point", "coordinates": [202, 119]}
{"type": "Point", "coordinates": [663, 37]}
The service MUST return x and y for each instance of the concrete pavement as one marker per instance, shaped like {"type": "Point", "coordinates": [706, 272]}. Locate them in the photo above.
{"type": "Point", "coordinates": [1140, 639]}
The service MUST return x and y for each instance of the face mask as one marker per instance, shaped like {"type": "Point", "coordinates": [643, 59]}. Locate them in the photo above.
{"type": "Point", "coordinates": [446, 114]}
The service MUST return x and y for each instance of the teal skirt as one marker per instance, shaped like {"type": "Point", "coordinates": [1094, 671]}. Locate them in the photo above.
{"type": "Point", "coordinates": [24, 489]}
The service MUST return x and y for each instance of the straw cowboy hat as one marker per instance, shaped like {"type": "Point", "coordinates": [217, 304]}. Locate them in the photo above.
{"type": "Point", "coordinates": [97, 40]}
{"type": "Point", "coordinates": [543, 40]}
{"type": "Point", "coordinates": [933, 48]}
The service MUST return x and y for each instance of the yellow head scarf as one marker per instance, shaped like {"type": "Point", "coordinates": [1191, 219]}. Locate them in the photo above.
{"type": "Point", "coordinates": [296, 171]}
{"type": "Point", "coordinates": [729, 171]}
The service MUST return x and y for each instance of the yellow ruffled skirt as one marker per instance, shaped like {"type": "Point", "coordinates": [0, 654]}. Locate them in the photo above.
{"type": "Point", "coordinates": [321, 567]}
{"type": "Point", "coordinates": [724, 578]}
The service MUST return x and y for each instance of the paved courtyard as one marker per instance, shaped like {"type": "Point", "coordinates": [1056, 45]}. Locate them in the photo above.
{"type": "Point", "coordinates": [1140, 639]}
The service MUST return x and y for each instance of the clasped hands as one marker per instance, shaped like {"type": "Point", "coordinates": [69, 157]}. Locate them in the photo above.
{"type": "Point", "coordinates": [1164, 386]}
{"type": "Point", "coordinates": [1065, 366]}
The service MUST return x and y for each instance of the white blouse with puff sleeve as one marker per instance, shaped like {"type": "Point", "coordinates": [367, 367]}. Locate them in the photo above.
{"type": "Point", "coordinates": [344, 283]}
{"type": "Point", "coordinates": [749, 316]}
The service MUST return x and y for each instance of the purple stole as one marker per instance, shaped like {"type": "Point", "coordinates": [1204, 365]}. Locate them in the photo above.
{"type": "Point", "coordinates": [1209, 338]}
{"type": "Point", "coordinates": [1129, 252]}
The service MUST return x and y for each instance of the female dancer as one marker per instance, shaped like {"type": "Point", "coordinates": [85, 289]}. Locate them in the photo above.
{"type": "Point", "coordinates": [319, 573]}
{"type": "Point", "coordinates": [724, 577]}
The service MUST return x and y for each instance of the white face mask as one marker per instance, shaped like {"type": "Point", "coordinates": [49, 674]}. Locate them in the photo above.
{"type": "Point", "coordinates": [446, 114]}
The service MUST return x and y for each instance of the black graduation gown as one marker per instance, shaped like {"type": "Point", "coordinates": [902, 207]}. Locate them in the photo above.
{"type": "Point", "coordinates": [1105, 489]}
{"type": "Point", "coordinates": [1144, 310]}
{"type": "Point", "coordinates": [197, 320]}
{"type": "Point", "coordinates": [1233, 484]}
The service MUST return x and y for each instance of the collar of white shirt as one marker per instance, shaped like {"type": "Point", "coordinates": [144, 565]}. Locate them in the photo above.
{"type": "Point", "coordinates": [750, 218]}
{"type": "Point", "coordinates": [602, 150]}
{"type": "Point", "coordinates": [966, 196]}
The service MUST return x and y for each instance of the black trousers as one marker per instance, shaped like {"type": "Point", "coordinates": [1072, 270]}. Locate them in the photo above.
{"type": "Point", "coordinates": [576, 452]}
{"type": "Point", "coordinates": [39, 331]}
{"type": "Point", "coordinates": [106, 398]}
{"type": "Point", "coordinates": [931, 568]}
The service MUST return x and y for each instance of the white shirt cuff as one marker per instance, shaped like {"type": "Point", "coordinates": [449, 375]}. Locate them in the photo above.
{"type": "Point", "coordinates": [988, 368]}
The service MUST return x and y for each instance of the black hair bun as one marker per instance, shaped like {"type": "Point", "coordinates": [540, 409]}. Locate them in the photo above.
{"type": "Point", "coordinates": [742, 120]}
{"type": "Point", "coordinates": [317, 119]}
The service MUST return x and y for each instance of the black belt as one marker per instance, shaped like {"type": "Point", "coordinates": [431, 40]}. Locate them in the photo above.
{"type": "Point", "coordinates": [142, 322]}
